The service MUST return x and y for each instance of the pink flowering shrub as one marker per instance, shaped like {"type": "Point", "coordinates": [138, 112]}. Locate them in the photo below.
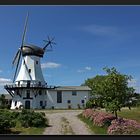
{"type": "Point", "coordinates": [87, 113]}
{"type": "Point", "coordinates": [98, 118]}
{"type": "Point", "coordinates": [123, 126]}
{"type": "Point", "coordinates": [115, 126]}
{"type": "Point", "coordinates": [103, 119]}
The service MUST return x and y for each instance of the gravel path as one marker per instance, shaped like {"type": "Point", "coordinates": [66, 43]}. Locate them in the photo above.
{"type": "Point", "coordinates": [65, 122]}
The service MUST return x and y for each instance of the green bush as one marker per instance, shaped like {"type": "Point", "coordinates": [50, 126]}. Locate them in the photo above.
{"type": "Point", "coordinates": [32, 119]}
{"type": "Point", "coordinates": [89, 104]}
{"type": "Point", "coordinates": [6, 122]}
{"type": "Point", "coordinates": [26, 118]}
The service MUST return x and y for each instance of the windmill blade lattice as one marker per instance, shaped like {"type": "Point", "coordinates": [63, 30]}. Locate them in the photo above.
{"type": "Point", "coordinates": [15, 60]}
{"type": "Point", "coordinates": [19, 53]}
{"type": "Point", "coordinates": [49, 43]}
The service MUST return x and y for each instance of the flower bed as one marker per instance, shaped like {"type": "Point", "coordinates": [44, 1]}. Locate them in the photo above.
{"type": "Point", "coordinates": [115, 126]}
{"type": "Point", "coordinates": [103, 119]}
{"type": "Point", "coordinates": [87, 113]}
{"type": "Point", "coordinates": [123, 126]}
{"type": "Point", "coordinates": [98, 118]}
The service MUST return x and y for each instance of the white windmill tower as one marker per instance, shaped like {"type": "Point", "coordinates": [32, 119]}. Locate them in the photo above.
{"type": "Point", "coordinates": [29, 87]}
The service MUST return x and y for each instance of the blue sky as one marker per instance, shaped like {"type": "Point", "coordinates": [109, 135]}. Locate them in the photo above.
{"type": "Point", "coordinates": [88, 38]}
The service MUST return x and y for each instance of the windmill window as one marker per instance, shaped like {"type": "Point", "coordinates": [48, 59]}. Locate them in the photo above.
{"type": "Point", "coordinates": [18, 83]}
{"type": "Point", "coordinates": [17, 92]}
{"type": "Point", "coordinates": [28, 83]}
{"type": "Point", "coordinates": [40, 92]}
{"type": "Point", "coordinates": [29, 70]}
{"type": "Point", "coordinates": [39, 83]}
{"type": "Point", "coordinates": [28, 94]}
{"type": "Point", "coordinates": [36, 62]}
{"type": "Point", "coordinates": [15, 103]}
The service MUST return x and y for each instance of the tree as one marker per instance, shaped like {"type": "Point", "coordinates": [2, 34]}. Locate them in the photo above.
{"type": "Point", "coordinates": [115, 90]}
{"type": "Point", "coordinates": [2, 100]}
{"type": "Point", "coordinates": [111, 90]}
{"type": "Point", "coordinates": [96, 91]}
{"type": "Point", "coordinates": [93, 83]}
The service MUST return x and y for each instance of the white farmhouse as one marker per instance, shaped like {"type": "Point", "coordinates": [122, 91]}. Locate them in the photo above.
{"type": "Point", "coordinates": [64, 97]}
{"type": "Point", "coordinates": [67, 97]}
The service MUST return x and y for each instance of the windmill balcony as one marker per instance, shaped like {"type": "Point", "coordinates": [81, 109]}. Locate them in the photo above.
{"type": "Point", "coordinates": [27, 85]}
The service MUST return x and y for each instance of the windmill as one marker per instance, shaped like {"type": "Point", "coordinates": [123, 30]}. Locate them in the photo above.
{"type": "Point", "coordinates": [29, 86]}
{"type": "Point", "coordinates": [25, 48]}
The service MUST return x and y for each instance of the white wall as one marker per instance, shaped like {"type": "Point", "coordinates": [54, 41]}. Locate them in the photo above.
{"type": "Point", "coordinates": [34, 103]}
{"type": "Point", "coordinates": [36, 72]}
{"type": "Point", "coordinates": [50, 97]}
{"type": "Point", "coordinates": [66, 95]}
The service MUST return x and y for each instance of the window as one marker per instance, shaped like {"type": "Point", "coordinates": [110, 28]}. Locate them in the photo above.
{"type": "Point", "coordinates": [15, 103]}
{"type": "Point", "coordinates": [36, 62]}
{"type": "Point", "coordinates": [6, 102]}
{"type": "Point", "coordinates": [41, 103]}
{"type": "Point", "coordinates": [40, 92]}
{"type": "Point", "coordinates": [82, 101]}
{"type": "Point", "coordinates": [28, 94]}
{"type": "Point", "coordinates": [18, 83]}
{"type": "Point", "coordinates": [45, 103]}
{"type": "Point", "coordinates": [59, 96]}
{"type": "Point", "coordinates": [69, 101]}
{"type": "Point", "coordinates": [39, 83]}
{"type": "Point", "coordinates": [17, 92]}
{"type": "Point", "coordinates": [29, 70]}
{"type": "Point", "coordinates": [28, 83]}
{"type": "Point", "coordinates": [74, 93]}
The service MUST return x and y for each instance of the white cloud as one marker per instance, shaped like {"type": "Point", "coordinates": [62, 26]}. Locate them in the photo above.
{"type": "Point", "coordinates": [50, 65]}
{"type": "Point", "coordinates": [80, 71]}
{"type": "Point", "coordinates": [87, 68]}
{"type": "Point", "coordinates": [101, 30]}
{"type": "Point", "coordinates": [84, 69]}
{"type": "Point", "coordinates": [4, 81]}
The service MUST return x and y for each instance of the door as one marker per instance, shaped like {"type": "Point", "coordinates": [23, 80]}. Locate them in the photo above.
{"type": "Point", "coordinates": [27, 104]}
{"type": "Point", "coordinates": [28, 83]}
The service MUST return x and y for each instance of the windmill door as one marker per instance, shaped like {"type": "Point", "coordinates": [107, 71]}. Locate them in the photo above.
{"type": "Point", "coordinates": [27, 104]}
{"type": "Point", "coordinates": [28, 83]}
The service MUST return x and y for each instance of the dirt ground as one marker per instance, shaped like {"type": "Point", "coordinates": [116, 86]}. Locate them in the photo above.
{"type": "Point", "coordinates": [65, 122]}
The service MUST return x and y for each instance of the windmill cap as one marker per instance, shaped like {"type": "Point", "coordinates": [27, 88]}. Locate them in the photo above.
{"type": "Point", "coordinates": [29, 49]}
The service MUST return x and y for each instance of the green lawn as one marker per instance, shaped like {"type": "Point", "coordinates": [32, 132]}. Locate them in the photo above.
{"type": "Point", "coordinates": [27, 131]}
{"type": "Point", "coordinates": [133, 114]}
{"type": "Point", "coordinates": [95, 129]}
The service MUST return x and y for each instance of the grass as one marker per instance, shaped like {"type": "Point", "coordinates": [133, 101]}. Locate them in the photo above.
{"type": "Point", "coordinates": [133, 114]}
{"type": "Point", "coordinates": [26, 131]}
{"type": "Point", "coordinates": [95, 129]}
